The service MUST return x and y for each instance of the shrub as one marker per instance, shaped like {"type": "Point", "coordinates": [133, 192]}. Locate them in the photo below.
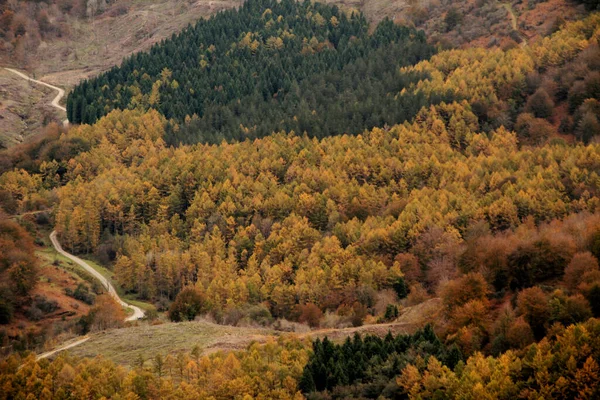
{"type": "Point", "coordinates": [188, 303]}
{"type": "Point", "coordinates": [81, 293]}
{"type": "Point", "coordinates": [391, 312]}
{"type": "Point", "coordinates": [359, 313]}
{"type": "Point", "coordinates": [45, 305]}
{"type": "Point", "coordinates": [310, 314]}
{"type": "Point", "coordinates": [401, 288]}
{"type": "Point", "coordinates": [34, 314]}
{"type": "Point", "coordinates": [453, 18]}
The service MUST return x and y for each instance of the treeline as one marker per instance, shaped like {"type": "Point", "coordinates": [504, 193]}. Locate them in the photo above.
{"type": "Point", "coordinates": [565, 365]}
{"type": "Point", "coordinates": [367, 367]}
{"type": "Point", "coordinates": [267, 67]}
{"type": "Point", "coordinates": [268, 370]}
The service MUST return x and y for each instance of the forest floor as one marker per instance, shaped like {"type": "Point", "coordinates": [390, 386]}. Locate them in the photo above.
{"type": "Point", "coordinates": [125, 346]}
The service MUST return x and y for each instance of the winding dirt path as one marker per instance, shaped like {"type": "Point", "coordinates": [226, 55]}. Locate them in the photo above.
{"type": "Point", "coordinates": [61, 348]}
{"type": "Point", "coordinates": [56, 101]}
{"type": "Point", "coordinates": [137, 312]}
{"type": "Point", "coordinates": [513, 19]}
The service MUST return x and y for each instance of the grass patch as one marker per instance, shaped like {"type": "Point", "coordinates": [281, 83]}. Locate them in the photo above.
{"type": "Point", "coordinates": [125, 346]}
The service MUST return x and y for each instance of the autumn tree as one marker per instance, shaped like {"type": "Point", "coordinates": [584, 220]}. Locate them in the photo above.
{"type": "Point", "coordinates": [106, 314]}
{"type": "Point", "coordinates": [532, 304]}
{"type": "Point", "coordinates": [188, 303]}
{"type": "Point", "coordinates": [578, 266]}
{"type": "Point", "coordinates": [540, 104]}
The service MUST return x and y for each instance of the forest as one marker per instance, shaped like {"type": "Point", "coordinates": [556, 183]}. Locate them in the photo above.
{"type": "Point", "coordinates": [267, 67]}
{"type": "Point", "coordinates": [564, 365]}
{"type": "Point", "coordinates": [480, 193]}
{"type": "Point", "coordinates": [312, 69]}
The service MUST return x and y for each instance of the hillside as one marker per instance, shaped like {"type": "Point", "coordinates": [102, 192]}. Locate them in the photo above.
{"type": "Point", "coordinates": [171, 339]}
{"type": "Point", "coordinates": [267, 67]}
{"type": "Point", "coordinates": [64, 42]}
{"type": "Point", "coordinates": [24, 109]}
{"type": "Point", "coordinates": [42, 304]}
{"type": "Point", "coordinates": [311, 205]}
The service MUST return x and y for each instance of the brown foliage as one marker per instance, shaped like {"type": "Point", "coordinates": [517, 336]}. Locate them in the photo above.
{"type": "Point", "coordinates": [107, 314]}
{"type": "Point", "coordinates": [532, 304]}
{"type": "Point", "coordinates": [519, 334]}
{"type": "Point", "coordinates": [310, 314]}
{"type": "Point", "coordinates": [580, 264]}
{"type": "Point", "coordinates": [459, 292]}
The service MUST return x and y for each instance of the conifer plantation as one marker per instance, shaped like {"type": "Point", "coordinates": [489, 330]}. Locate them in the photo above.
{"type": "Point", "coordinates": [267, 67]}
{"type": "Point", "coordinates": [356, 212]}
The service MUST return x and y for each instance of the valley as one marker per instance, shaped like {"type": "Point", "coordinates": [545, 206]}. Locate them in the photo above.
{"type": "Point", "coordinates": [273, 199]}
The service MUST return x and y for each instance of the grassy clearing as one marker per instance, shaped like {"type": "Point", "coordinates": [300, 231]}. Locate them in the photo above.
{"type": "Point", "coordinates": [125, 346]}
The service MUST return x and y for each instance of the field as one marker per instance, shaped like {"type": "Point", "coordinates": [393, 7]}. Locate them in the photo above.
{"type": "Point", "coordinates": [125, 346]}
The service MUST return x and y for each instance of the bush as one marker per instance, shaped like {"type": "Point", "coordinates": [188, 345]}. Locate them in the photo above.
{"type": "Point", "coordinates": [359, 313]}
{"type": "Point", "coordinates": [310, 314]}
{"type": "Point", "coordinates": [45, 305]}
{"type": "Point", "coordinates": [453, 18]}
{"type": "Point", "coordinates": [81, 293]}
{"type": "Point", "coordinates": [391, 312]}
{"type": "Point", "coordinates": [401, 288]}
{"type": "Point", "coordinates": [287, 326]}
{"type": "Point", "coordinates": [188, 303]}
{"type": "Point", "coordinates": [34, 314]}
{"type": "Point", "coordinates": [42, 218]}
{"type": "Point", "coordinates": [151, 314]}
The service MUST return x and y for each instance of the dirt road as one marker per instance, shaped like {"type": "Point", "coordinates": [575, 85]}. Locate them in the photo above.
{"type": "Point", "coordinates": [137, 312]}
{"type": "Point", "coordinates": [61, 348]}
{"type": "Point", "coordinates": [56, 101]}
